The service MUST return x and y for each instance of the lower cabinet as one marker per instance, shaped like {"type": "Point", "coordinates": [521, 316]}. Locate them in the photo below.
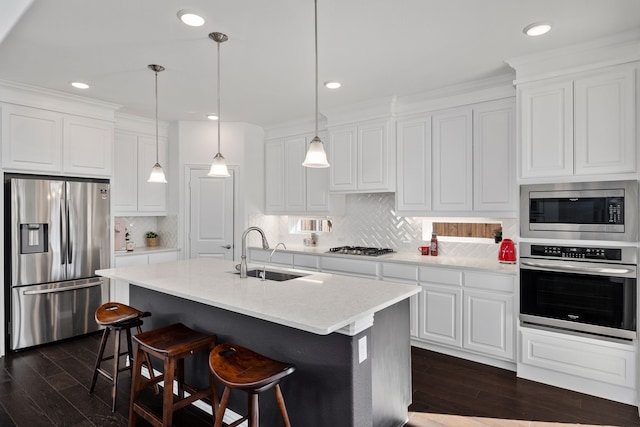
{"type": "Point", "coordinates": [120, 290]}
{"type": "Point", "coordinates": [468, 310]}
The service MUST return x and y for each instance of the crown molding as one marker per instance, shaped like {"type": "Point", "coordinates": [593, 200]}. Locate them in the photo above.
{"type": "Point", "coordinates": [47, 99]}
{"type": "Point", "coordinates": [138, 124]}
{"type": "Point", "coordinates": [618, 49]}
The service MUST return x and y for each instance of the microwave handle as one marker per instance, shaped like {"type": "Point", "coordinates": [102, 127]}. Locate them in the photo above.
{"type": "Point", "coordinates": [556, 267]}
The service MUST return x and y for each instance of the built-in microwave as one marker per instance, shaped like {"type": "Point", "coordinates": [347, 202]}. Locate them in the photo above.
{"type": "Point", "coordinates": [606, 210]}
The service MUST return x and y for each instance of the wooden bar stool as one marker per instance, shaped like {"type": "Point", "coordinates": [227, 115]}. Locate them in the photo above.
{"type": "Point", "coordinates": [116, 317]}
{"type": "Point", "coordinates": [240, 368]}
{"type": "Point", "coordinates": [172, 344]}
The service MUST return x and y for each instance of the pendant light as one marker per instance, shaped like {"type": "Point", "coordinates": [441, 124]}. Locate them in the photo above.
{"type": "Point", "coordinates": [219, 165]}
{"type": "Point", "coordinates": [157, 174]}
{"type": "Point", "coordinates": [316, 156]}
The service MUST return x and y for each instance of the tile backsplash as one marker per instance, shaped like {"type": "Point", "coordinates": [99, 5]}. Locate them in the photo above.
{"type": "Point", "coordinates": [166, 227]}
{"type": "Point", "coordinates": [371, 220]}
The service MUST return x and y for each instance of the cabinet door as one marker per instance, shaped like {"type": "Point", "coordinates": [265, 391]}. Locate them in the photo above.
{"type": "Point", "coordinates": [152, 197]}
{"type": "Point", "coordinates": [274, 176]}
{"type": "Point", "coordinates": [441, 318]}
{"type": "Point", "coordinates": [295, 183]}
{"type": "Point", "coordinates": [414, 165]}
{"type": "Point", "coordinates": [31, 139]}
{"type": "Point", "coordinates": [488, 323]}
{"type": "Point", "coordinates": [494, 174]}
{"type": "Point", "coordinates": [605, 125]}
{"type": "Point", "coordinates": [125, 173]}
{"type": "Point", "coordinates": [318, 184]}
{"type": "Point", "coordinates": [452, 160]}
{"type": "Point", "coordinates": [158, 257]}
{"type": "Point", "coordinates": [546, 125]}
{"type": "Point", "coordinates": [372, 166]}
{"type": "Point", "coordinates": [88, 146]}
{"type": "Point", "coordinates": [342, 155]}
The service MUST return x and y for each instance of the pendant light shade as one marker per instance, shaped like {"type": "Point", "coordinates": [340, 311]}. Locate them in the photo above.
{"type": "Point", "coordinates": [219, 165]}
{"type": "Point", "coordinates": [157, 173]}
{"type": "Point", "coordinates": [316, 156]}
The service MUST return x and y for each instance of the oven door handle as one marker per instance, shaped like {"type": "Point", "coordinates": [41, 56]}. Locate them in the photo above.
{"type": "Point", "coordinates": [556, 267]}
{"type": "Point", "coordinates": [64, 289]}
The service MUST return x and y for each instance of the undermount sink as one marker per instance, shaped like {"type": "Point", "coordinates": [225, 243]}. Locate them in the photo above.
{"type": "Point", "coordinates": [278, 276]}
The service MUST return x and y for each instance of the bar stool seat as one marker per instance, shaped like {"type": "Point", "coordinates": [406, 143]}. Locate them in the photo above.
{"type": "Point", "coordinates": [172, 344]}
{"type": "Point", "coordinates": [116, 317]}
{"type": "Point", "coordinates": [240, 368]}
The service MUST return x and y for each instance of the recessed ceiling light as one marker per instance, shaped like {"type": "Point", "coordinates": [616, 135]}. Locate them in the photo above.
{"type": "Point", "coordinates": [191, 18]}
{"type": "Point", "coordinates": [332, 85]}
{"type": "Point", "coordinates": [212, 117]}
{"type": "Point", "coordinates": [537, 29]}
{"type": "Point", "coordinates": [80, 85]}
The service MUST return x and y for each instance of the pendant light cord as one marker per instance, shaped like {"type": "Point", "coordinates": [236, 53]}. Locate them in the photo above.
{"type": "Point", "coordinates": [218, 43]}
{"type": "Point", "coordinates": [315, 4]}
{"type": "Point", "coordinates": [157, 146]}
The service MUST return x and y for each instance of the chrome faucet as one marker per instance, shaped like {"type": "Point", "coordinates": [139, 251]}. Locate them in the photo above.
{"type": "Point", "coordinates": [264, 267]}
{"type": "Point", "coordinates": [243, 257]}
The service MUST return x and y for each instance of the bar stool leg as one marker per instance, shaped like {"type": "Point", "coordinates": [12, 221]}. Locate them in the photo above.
{"type": "Point", "coordinates": [135, 386]}
{"type": "Point", "coordinates": [116, 368]}
{"type": "Point", "coordinates": [282, 406]}
{"type": "Point", "coordinates": [167, 398]}
{"type": "Point", "coordinates": [147, 359]}
{"type": "Point", "coordinates": [222, 407]}
{"type": "Point", "coordinates": [254, 409]}
{"type": "Point", "coordinates": [103, 344]}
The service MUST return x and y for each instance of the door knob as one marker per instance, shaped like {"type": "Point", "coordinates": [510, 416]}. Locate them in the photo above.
{"type": "Point", "coordinates": [226, 247]}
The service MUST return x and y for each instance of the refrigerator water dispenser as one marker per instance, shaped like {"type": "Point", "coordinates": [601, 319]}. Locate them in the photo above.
{"type": "Point", "coordinates": [34, 238]}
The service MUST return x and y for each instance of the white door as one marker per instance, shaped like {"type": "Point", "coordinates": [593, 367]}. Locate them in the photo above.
{"type": "Point", "coordinates": [211, 215]}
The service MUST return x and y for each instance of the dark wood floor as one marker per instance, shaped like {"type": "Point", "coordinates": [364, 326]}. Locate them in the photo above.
{"type": "Point", "coordinates": [48, 386]}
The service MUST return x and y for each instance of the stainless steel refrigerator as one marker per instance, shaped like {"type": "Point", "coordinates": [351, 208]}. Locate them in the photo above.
{"type": "Point", "coordinates": [57, 234]}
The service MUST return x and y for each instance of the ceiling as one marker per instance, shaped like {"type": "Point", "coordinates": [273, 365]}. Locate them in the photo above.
{"type": "Point", "coordinates": [376, 49]}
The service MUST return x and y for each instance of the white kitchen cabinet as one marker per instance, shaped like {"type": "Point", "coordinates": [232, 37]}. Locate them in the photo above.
{"type": "Point", "coordinates": [580, 125]}
{"type": "Point", "coordinates": [306, 262]}
{"type": "Point", "coordinates": [469, 311]}
{"type": "Point", "coordinates": [350, 267]}
{"type": "Point", "coordinates": [458, 161]}
{"type": "Point", "coordinates": [40, 140]}
{"type": "Point", "coordinates": [494, 154]}
{"type": "Point", "coordinates": [406, 274]}
{"type": "Point", "coordinates": [452, 160]}
{"type": "Point", "coordinates": [261, 256]}
{"type": "Point", "coordinates": [290, 188]}
{"type": "Point", "coordinates": [88, 146]}
{"type": "Point", "coordinates": [135, 155]}
{"type": "Point", "coordinates": [362, 157]}
{"type": "Point", "coordinates": [120, 292]}
{"type": "Point", "coordinates": [414, 164]}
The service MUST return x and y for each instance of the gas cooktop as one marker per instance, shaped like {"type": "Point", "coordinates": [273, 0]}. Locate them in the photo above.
{"type": "Point", "coordinates": [360, 250]}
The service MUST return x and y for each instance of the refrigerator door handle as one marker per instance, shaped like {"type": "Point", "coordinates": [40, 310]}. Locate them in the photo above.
{"type": "Point", "coordinates": [68, 288]}
{"type": "Point", "coordinates": [69, 245]}
{"type": "Point", "coordinates": [63, 232]}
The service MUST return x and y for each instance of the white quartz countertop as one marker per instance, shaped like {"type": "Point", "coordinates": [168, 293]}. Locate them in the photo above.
{"type": "Point", "coordinates": [319, 303]}
{"type": "Point", "coordinates": [146, 250]}
{"type": "Point", "coordinates": [485, 264]}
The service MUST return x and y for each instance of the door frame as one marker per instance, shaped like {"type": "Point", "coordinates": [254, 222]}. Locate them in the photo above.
{"type": "Point", "coordinates": [237, 218]}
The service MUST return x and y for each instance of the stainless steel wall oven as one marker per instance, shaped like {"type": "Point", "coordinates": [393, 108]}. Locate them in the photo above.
{"type": "Point", "coordinates": [580, 288]}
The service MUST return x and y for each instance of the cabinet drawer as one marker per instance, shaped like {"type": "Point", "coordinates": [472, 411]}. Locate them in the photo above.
{"type": "Point", "coordinates": [163, 257]}
{"type": "Point", "coordinates": [350, 266]}
{"type": "Point", "coordinates": [262, 255]}
{"type": "Point", "coordinates": [399, 271]}
{"type": "Point", "coordinates": [441, 276]}
{"type": "Point", "coordinates": [306, 261]}
{"type": "Point", "coordinates": [129, 260]}
{"type": "Point", "coordinates": [489, 281]}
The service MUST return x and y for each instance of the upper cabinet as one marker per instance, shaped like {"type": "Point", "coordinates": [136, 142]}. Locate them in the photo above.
{"type": "Point", "coordinates": [579, 125]}
{"type": "Point", "coordinates": [362, 157]}
{"type": "Point", "coordinates": [135, 155]}
{"type": "Point", "coordinates": [458, 161]}
{"type": "Point", "coordinates": [291, 188]}
{"type": "Point", "coordinates": [40, 140]}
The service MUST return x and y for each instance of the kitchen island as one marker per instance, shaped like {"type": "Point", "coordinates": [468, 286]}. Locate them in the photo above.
{"type": "Point", "coordinates": [349, 337]}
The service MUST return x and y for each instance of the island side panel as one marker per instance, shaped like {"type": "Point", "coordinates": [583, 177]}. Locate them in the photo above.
{"type": "Point", "coordinates": [391, 365]}
{"type": "Point", "coordinates": [329, 387]}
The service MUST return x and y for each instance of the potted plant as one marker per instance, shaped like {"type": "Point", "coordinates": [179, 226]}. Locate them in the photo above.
{"type": "Point", "coordinates": [152, 238]}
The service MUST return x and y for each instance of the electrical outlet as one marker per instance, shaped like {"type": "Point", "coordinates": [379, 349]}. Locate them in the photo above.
{"type": "Point", "coordinates": [362, 349]}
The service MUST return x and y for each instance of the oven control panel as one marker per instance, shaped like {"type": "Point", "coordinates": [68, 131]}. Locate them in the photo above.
{"type": "Point", "coordinates": [608, 254]}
